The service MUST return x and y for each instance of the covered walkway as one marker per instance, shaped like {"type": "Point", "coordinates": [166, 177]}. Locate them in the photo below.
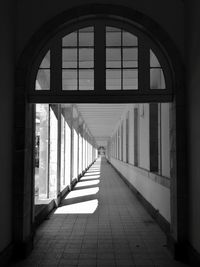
{"type": "Point", "coordinates": [100, 223]}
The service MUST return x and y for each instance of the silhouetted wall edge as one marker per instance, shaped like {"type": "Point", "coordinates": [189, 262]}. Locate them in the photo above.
{"type": "Point", "coordinates": [7, 64]}
{"type": "Point", "coordinates": [192, 37]}
{"type": "Point", "coordinates": [46, 10]}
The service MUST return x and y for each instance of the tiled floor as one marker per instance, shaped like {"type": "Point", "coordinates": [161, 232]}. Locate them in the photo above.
{"type": "Point", "coordinates": [100, 223]}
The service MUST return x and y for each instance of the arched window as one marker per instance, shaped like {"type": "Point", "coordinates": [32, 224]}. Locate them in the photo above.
{"type": "Point", "coordinates": [102, 57]}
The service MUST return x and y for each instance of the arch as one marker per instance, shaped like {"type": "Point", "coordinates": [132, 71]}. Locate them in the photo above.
{"type": "Point", "coordinates": [32, 55]}
{"type": "Point", "coordinates": [145, 67]}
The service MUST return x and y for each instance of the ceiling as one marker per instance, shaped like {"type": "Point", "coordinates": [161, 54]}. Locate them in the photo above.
{"type": "Point", "coordinates": [101, 119]}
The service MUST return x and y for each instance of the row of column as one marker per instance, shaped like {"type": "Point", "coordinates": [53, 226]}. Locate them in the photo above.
{"type": "Point", "coordinates": [65, 148]}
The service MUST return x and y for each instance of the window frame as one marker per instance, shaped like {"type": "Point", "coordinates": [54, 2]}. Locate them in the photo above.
{"type": "Point", "coordinates": [100, 94]}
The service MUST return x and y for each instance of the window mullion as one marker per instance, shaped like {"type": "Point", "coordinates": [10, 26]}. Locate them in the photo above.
{"type": "Point", "coordinates": [99, 57]}
{"type": "Point", "coordinates": [56, 67]}
{"type": "Point", "coordinates": [143, 66]}
{"type": "Point", "coordinates": [48, 157]}
{"type": "Point", "coordinates": [59, 151]}
{"type": "Point", "coordinates": [122, 65]}
{"type": "Point", "coordinates": [78, 60]}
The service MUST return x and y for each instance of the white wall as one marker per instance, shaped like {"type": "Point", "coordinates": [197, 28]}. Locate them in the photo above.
{"type": "Point", "coordinates": [140, 177]}
{"type": "Point", "coordinates": [156, 194]}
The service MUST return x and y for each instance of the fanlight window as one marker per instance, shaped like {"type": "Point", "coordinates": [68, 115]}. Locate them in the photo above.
{"type": "Point", "coordinates": [157, 79]}
{"type": "Point", "coordinates": [123, 66]}
{"type": "Point", "coordinates": [43, 75]}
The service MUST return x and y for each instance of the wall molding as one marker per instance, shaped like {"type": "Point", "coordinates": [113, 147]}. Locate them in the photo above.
{"type": "Point", "coordinates": [162, 180]}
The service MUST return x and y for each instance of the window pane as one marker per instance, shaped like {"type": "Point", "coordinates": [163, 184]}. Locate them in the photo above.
{"type": "Point", "coordinates": [69, 79]}
{"type": "Point", "coordinates": [130, 57]}
{"type": "Point", "coordinates": [130, 79]}
{"type": "Point", "coordinates": [153, 60]}
{"type": "Point", "coordinates": [67, 152]}
{"type": "Point", "coordinates": [157, 79]}
{"type": "Point", "coordinates": [53, 152]}
{"type": "Point", "coordinates": [84, 154]}
{"type": "Point", "coordinates": [75, 155]}
{"type": "Point", "coordinates": [113, 58]}
{"type": "Point", "coordinates": [86, 58]}
{"type": "Point", "coordinates": [43, 80]}
{"type": "Point", "coordinates": [113, 36]}
{"type": "Point", "coordinates": [113, 79]}
{"type": "Point", "coordinates": [69, 58]}
{"type": "Point", "coordinates": [46, 61]}
{"type": "Point", "coordinates": [86, 80]}
{"type": "Point", "coordinates": [87, 29]}
{"type": "Point", "coordinates": [62, 154]}
{"type": "Point", "coordinates": [41, 151]}
{"type": "Point", "coordinates": [86, 36]}
{"type": "Point", "coordinates": [70, 39]}
{"type": "Point", "coordinates": [129, 39]}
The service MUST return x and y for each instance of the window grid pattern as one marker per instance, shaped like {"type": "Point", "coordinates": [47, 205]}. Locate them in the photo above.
{"type": "Point", "coordinates": [122, 63]}
{"type": "Point", "coordinates": [121, 60]}
{"type": "Point", "coordinates": [56, 160]}
{"type": "Point", "coordinates": [78, 60]}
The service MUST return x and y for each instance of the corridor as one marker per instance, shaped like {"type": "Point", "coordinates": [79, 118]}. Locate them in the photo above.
{"type": "Point", "coordinates": [100, 223]}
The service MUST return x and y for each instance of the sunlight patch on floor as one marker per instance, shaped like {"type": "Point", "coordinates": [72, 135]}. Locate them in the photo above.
{"type": "Point", "coordinates": [86, 207]}
{"type": "Point", "coordinates": [87, 183]}
{"type": "Point", "coordinates": [90, 177]}
{"type": "Point", "coordinates": [83, 192]}
{"type": "Point", "coordinates": [92, 173]}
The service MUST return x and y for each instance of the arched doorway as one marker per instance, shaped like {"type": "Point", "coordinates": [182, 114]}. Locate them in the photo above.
{"type": "Point", "coordinates": [63, 81]}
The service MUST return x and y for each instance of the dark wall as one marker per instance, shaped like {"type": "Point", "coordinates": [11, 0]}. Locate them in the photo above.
{"type": "Point", "coordinates": [33, 14]}
{"type": "Point", "coordinates": [192, 24]}
{"type": "Point", "coordinates": [6, 115]}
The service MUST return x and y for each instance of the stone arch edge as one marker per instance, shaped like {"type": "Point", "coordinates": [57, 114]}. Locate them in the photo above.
{"type": "Point", "coordinates": [23, 228]}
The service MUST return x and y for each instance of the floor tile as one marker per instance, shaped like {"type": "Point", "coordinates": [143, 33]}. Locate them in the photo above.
{"type": "Point", "coordinates": [119, 232]}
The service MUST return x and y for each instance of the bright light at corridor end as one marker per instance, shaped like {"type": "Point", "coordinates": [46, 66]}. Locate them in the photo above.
{"type": "Point", "coordinates": [86, 207]}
